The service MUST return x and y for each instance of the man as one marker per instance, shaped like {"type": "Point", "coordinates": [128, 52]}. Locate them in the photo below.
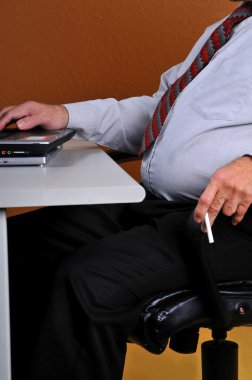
{"type": "Point", "coordinates": [84, 286]}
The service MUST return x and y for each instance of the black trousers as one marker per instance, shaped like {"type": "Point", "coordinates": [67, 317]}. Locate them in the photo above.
{"type": "Point", "coordinates": [79, 276]}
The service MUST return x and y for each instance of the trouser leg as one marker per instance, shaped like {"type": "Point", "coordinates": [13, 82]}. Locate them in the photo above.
{"type": "Point", "coordinates": [78, 344]}
{"type": "Point", "coordinates": [96, 287]}
{"type": "Point", "coordinates": [32, 270]}
{"type": "Point", "coordinates": [38, 242]}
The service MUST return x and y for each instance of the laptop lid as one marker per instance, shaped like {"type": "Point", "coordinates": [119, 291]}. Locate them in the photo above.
{"type": "Point", "coordinates": [35, 142]}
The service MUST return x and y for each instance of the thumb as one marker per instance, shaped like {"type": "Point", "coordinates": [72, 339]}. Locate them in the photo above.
{"type": "Point", "coordinates": [28, 122]}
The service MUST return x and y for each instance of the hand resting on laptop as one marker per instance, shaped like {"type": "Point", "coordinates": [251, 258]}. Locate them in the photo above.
{"type": "Point", "coordinates": [30, 114]}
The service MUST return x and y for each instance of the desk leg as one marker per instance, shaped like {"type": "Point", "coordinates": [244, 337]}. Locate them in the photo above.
{"type": "Point", "coordinates": [5, 360]}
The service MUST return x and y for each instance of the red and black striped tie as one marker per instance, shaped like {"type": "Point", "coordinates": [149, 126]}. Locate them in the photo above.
{"type": "Point", "coordinates": [217, 39]}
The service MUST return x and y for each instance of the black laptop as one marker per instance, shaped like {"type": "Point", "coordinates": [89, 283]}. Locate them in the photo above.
{"type": "Point", "coordinates": [33, 147]}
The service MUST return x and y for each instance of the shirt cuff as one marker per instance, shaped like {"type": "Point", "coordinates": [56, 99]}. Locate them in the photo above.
{"type": "Point", "coordinates": [83, 117]}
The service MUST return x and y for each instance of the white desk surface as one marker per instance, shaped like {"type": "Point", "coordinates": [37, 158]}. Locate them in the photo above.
{"type": "Point", "coordinates": [80, 174]}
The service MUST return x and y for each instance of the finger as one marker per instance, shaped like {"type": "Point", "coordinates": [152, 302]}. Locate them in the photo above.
{"type": "Point", "coordinates": [240, 212]}
{"type": "Point", "coordinates": [230, 206]}
{"type": "Point", "coordinates": [4, 110]}
{"type": "Point", "coordinates": [205, 201]}
{"type": "Point", "coordinates": [216, 206]}
{"type": "Point", "coordinates": [28, 122]}
{"type": "Point", "coordinates": [14, 114]}
{"type": "Point", "coordinates": [214, 209]}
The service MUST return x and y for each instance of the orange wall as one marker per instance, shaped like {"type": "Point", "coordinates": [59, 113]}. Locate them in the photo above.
{"type": "Point", "coordinates": [59, 51]}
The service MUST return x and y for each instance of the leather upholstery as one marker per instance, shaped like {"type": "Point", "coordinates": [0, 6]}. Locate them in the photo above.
{"type": "Point", "coordinates": [167, 314]}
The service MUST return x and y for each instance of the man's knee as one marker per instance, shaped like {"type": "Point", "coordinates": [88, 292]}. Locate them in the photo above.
{"type": "Point", "coordinates": [95, 292]}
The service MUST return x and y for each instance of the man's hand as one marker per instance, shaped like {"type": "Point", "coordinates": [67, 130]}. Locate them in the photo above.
{"type": "Point", "coordinates": [30, 114]}
{"type": "Point", "coordinates": [229, 191]}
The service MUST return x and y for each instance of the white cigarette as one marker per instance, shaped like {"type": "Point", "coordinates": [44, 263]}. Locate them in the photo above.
{"type": "Point", "coordinates": [209, 229]}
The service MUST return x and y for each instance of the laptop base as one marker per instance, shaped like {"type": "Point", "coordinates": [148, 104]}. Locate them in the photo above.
{"type": "Point", "coordinates": [30, 160]}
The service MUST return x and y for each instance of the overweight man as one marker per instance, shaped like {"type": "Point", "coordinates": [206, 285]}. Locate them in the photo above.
{"type": "Point", "coordinates": [79, 275]}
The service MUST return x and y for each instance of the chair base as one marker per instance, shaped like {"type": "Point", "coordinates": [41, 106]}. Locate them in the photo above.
{"type": "Point", "coordinates": [219, 360]}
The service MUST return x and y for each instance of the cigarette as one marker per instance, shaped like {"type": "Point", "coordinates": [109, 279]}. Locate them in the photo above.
{"type": "Point", "coordinates": [209, 229]}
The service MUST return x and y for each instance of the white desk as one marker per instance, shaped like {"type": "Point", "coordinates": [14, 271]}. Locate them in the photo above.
{"type": "Point", "coordinates": [80, 174]}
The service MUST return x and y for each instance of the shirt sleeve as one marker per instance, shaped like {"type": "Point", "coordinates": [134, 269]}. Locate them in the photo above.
{"type": "Point", "coordinates": [119, 125]}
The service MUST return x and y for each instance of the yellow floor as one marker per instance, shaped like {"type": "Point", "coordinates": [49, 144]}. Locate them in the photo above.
{"type": "Point", "coordinates": [143, 365]}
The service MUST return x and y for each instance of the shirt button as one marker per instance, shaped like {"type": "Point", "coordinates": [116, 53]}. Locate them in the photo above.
{"type": "Point", "coordinates": [145, 165]}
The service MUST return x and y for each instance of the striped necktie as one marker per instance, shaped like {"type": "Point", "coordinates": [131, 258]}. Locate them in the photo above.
{"type": "Point", "coordinates": [217, 39]}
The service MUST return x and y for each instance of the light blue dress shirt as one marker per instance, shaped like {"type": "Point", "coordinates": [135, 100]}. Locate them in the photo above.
{"type": "Point", "coordinates": [209, 125]}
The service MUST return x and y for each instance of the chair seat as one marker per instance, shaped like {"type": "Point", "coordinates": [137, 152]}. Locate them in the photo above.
{"type": "Point", "coordinates": [168, 315]}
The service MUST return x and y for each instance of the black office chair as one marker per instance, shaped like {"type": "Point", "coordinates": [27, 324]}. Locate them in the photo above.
{"type": "Point", "coordinates": [178, 315]}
